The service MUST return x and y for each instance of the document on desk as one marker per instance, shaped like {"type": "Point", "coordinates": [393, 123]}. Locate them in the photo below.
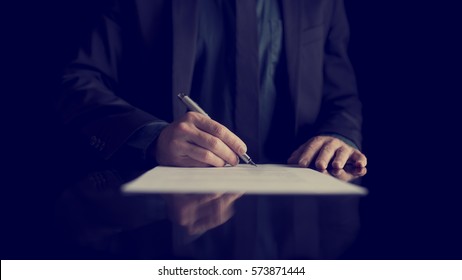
{"type": "Point", "coordinates": [264, 179]}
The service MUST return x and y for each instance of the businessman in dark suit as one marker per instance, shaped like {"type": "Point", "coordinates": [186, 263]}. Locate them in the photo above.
{"type": "Point", "coordinates": [272, 74]}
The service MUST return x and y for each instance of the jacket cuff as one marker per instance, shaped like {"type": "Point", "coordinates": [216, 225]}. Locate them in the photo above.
{"type": "Point", "coordinates": [137, 145]}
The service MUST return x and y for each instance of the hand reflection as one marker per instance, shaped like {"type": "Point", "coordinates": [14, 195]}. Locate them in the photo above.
{"type": "Point", "coordinates": [198, 213]}
{"type": "Point", "coordinates": [347, 174]}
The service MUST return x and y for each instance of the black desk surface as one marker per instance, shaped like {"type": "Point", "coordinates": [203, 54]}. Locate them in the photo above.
{"type": "Point", "coordinates": [86, 216]}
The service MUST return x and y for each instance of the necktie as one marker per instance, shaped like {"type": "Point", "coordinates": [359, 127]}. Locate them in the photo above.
{"type": "Point", "coordinates": [247, 76]}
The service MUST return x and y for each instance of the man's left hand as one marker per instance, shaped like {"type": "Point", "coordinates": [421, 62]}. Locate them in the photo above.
{"type": "Point", "coordinates": [322, 150]}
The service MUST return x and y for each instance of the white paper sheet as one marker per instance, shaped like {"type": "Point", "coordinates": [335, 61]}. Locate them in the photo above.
{"type": "Point", "coordinates": [264, 179]}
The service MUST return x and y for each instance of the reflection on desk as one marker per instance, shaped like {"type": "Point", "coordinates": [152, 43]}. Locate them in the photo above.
{"type": "Point", "coordinates": [97, 220]}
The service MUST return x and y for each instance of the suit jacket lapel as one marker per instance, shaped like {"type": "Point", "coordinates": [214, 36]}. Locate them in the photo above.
{"type": "Point", "coordinates": [292, 29]}
{"type": "Point", "coordinates": [185, 19]}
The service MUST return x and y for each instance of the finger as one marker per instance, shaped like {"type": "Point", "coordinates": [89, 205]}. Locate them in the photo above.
{"type": "Point", "coordinates": [215, 145]}
{"type": "Point", "coordinates": [324, 172]}
{"type": "Point", "coordinates": [186, 161]}
{"type": "Point", "coordinates": [294, 157]}
{"type": "Point", "coordinates": [216, 129]}
{"type": "Point", "coordinates": [210, 222]}
{"type": "Point", "coordinates": [186, 208]}
{"type": "Point", "coordinates": [203, 156]}
{"type": "Point", "coordinates": [358, 159]}
{"type": "Point", "coordinates": [337, 172]}
{"type": "Point", "coordinates": [201, 199]}
{"type": "Point", "coordinates": [346, 175]}
{"type": "Point", "coordinates": [183, 214]}
{"type": "Point", "coordinates": [210, 208]}
{"type": "Point", "coordinates": [341, 174]}
{"type": "Point", "coordinates": [341, 157]}
{"type": "Point", "coordinates": [211, 215]}
{"type": "Point", "coordinates": [216, 206]}
{"type": "Point", "coordinates": [360, 171]}
{"type": "Point", "coordinates": [229, 198]}
{"type": "Point", "coordinates": [326, 153]}
{"type": "Point", "coordinates": [311, 149]}
{"type": "Point", "coordinates": [181, 156]}
{"type": "Point", "coordinates": [190, 199]}
{"type": "Point", "coordinates": [188, 140]}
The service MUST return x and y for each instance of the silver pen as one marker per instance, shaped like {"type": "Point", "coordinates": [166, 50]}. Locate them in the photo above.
{"type": "Point", "coordinates": [195, 108]}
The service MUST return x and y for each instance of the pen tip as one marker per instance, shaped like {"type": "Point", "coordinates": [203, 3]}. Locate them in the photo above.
{"type": "Point", "coordinates": [253, 163]}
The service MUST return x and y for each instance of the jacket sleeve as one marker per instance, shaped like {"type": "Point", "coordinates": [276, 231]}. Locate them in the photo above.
{"type": "Point", "coordinates": [341, 107]}
{"type": "Point", "coordinates": [88, 102]}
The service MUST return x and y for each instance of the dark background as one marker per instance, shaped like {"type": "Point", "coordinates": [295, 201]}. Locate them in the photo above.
{"type": "Point", "coordinates": [407, 58]}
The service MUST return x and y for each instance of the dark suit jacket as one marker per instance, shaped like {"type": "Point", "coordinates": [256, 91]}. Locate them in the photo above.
{"type": "Point", "coordinates": [142, 54]}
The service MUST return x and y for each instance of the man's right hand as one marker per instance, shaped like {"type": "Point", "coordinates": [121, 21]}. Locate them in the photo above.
{"type": "Point", "coordinates": [198, 213]}
{"type": "Point", "coordinates": [196, 140]}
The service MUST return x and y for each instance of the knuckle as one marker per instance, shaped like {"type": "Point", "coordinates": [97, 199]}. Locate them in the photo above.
{"type": "Point", "coordinates": [317, 139]}
{"type": "Point", "coordinates": [327, 149]}
{"type": "Point", "coordinates": [212, 142]}
{"type": "Point", "coordinates": [344, 150]}
{"type": "Point", "coordinates": [320, 164]}
{"type": "Point", "coordinates": [217, 130]}
{"type": "Point", "coordinates": [358, 154]}
{"type": "Point", "coordinates": [182, 127]}
{"type": "Point", "coordinates": [335, 141]}
{"type": "Point", "coordinates": [233, 143]}
{"type": "Point", "coordinates": [236, 145]}
{"type": "Point", "coordinates": [364, 160]}
{"type": "Point", "coordinates": [190, 116]}
{"type": "Point", "coordinates": [311, 147]}
{"type": "Point", "coordinates": [210, 158]}
{"type": "Point", "coordinates": [206, 156]}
